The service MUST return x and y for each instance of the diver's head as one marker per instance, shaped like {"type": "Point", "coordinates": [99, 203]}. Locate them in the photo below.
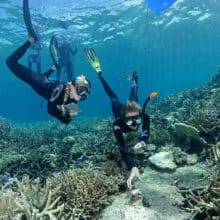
{"type": "Point", "coordinates": [131, 114]}
{"type": "Point", "coordinates": [82, 86]}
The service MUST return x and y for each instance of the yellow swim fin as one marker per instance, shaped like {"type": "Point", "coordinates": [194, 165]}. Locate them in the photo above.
{"type": "Point", "coordinates": [93, 59]}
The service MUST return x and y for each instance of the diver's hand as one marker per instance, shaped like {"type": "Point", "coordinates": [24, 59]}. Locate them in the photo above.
{"type": "Point", "coordinates": [70, 109]}
{"type": "Point", "coordinates": [139, 147]}
{"type": "Point", "coordinates": [134, 173]}
{"type": "Point", "coordinates": [54, 67]}
{"type": "Point", "coordinates": [31, 39]}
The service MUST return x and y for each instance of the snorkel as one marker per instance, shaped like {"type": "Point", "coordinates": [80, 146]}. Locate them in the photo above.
{"type": "Point", "coordinates": [152, 95]}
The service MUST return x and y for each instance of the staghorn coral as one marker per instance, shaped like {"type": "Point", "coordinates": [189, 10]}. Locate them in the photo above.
{"type": "Point", "coordinates": [204, 202]}
{"type": "Point", "coordinates": [74, 194]}
{"type": "Point", "coordinates": [30, 201]}
{"type": "Point", "coordinates": [214, 155]}
{"type": "Point", "coordinates": [84, 192]}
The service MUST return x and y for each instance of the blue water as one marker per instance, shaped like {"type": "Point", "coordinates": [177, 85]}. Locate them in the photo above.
{"type": "Point", "coordinates": [175, 50]}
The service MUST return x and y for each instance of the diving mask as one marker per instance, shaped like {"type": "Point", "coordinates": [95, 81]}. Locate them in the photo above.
{"type": "Point", "coordinates": [82, 86]}
{"type": "Point", "coordinates": [133, 120]}
{"type": "Point", "coordinates": [82, 91]}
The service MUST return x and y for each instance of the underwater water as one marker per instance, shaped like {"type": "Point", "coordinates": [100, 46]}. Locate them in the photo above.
{"type": "Point", "coordinates": [172, 51]}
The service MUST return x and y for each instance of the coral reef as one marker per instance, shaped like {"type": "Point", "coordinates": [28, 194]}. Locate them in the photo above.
{"type": "Point", "coordinates": [189, 134]}
{"type": "Point", "coordinates": [197, 107]}
{"type": "Point", "coordinates": [204, 202]}
{"type": "Point", "coordinates": [40, 150]}
{"type": "Point", "coordinates": [188, 121]}
{"type": "Point", "coordinates": [74, 194]}
{"type": "Point", "coordinates": [29, 201]}
{"type": "Point", "coordinates": [85, 192]}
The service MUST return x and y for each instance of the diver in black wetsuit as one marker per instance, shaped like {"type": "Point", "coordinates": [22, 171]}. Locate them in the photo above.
{"type": "Point", "coordinates": [128, 117]}
{"type": "Point", "coordinates": [62, 98]}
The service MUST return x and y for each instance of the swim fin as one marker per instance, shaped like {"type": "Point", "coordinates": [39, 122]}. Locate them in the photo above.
{"type": "Point", "coordinates": [27, 20]}
{"type": "Point", "coordinates": [54, 52]}
{"type": "Point", "coordinates": [93, 59]}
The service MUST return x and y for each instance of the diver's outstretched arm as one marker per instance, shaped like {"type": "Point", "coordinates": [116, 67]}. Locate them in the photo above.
{"type": "Point", "coordinates": [94, 62]}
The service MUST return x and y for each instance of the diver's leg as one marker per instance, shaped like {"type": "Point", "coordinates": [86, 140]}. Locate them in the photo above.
{"type": "Point", "coordinates": [69, 72]}
{"type": "Point", "coordinates": [37, 81]}
{"type": "Point", "coordinates": [18, 69]}
{"type": "Point", "coordinates": [134, 88]}
{"type": "Point", "coordinates": [29, 62]}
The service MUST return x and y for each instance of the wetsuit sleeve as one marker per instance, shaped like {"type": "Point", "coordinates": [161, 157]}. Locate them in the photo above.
{"type": "Point", "coordinates": [115, 103]}
{"type": "Point", "coordinates": [146, 128]}
{"type": "Point", "coordinates": [48, 73]}
{"type": "Point", "coordinates": [122, 146]}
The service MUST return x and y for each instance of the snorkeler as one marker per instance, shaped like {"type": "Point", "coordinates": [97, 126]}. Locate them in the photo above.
{"type": "Point", "coordinates": [128, 117]}
{"type": "Point", "coordinates": [65, 51]}
{"type": "Point", "coordinates": [62, 97]}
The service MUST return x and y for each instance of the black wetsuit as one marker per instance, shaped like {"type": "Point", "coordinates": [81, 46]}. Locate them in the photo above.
{"type": "Point", "coordinates": [53, 91]}
{"type": "Point", "coordinates": [120, 127]}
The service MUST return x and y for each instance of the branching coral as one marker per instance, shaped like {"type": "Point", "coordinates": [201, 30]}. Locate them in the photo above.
{"type": "Point", "coordinates": [204, 202]}
{"type": "Point", "coordinates": [84, 192]}
{"type": "Point", "coordinates": [74, 194]}
{"type": "Point", "coordinates": [30, 201]}
{"type": "Point", "coordinates": [214, 155]}
{"type": "Point", "coordinates": [207, 122]}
